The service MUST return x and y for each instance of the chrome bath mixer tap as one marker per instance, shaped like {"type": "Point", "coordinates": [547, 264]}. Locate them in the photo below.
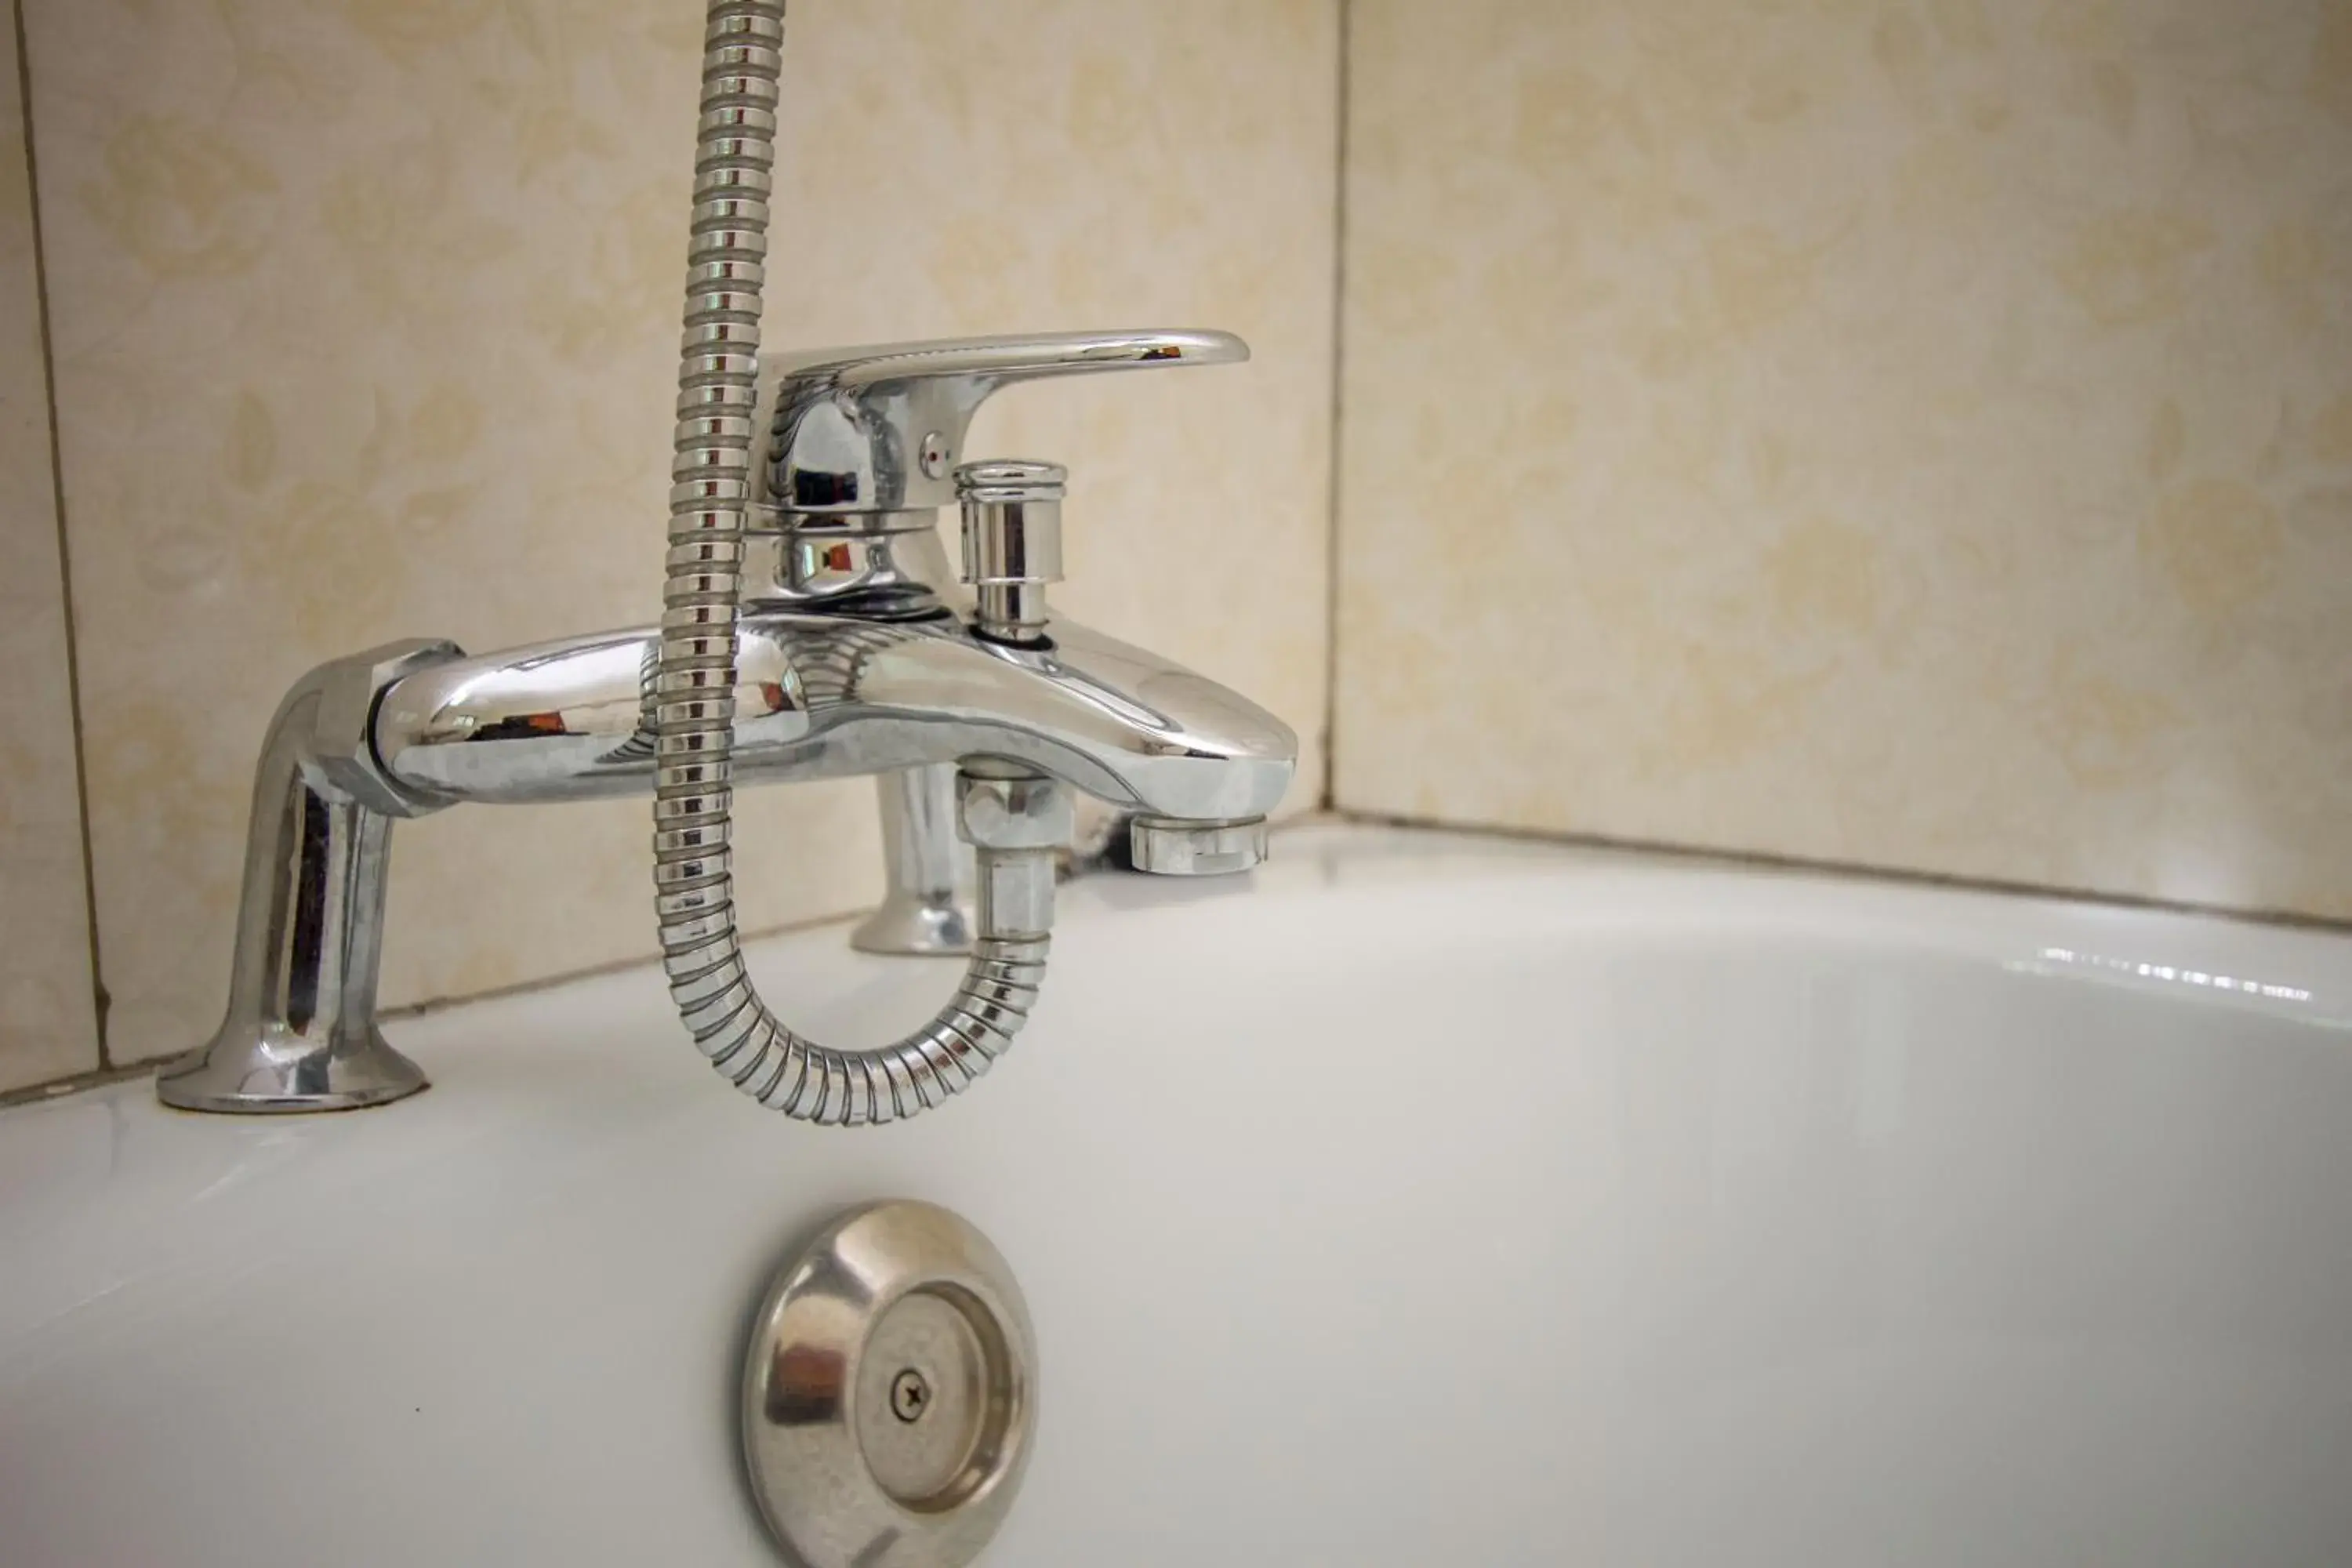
{"type": "Point", "coordinates": [855, 651]}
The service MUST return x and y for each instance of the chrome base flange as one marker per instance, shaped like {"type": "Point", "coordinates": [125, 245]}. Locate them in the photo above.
{"type": "Point", "coordinates": [277, 1072]}
{"type": "Point", "coordinates": [916, 925]}
{"type": "Point", "coordinates": [890, 1392]}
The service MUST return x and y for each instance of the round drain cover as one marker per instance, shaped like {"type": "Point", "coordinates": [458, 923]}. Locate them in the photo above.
{"type": "Point", "coordinates": [890, 1392]}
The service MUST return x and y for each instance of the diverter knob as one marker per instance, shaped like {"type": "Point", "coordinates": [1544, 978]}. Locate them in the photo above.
{"type": "Point", "coordinates": [1012, 543]}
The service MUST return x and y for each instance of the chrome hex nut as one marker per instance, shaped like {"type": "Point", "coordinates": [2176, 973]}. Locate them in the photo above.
{"type": "Point", "coordinates": [339, 743]}
{"type": "Point", "coordinates": [1029, 813]}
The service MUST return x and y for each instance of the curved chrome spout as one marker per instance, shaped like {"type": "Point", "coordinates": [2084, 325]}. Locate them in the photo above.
{"type": "Point", "coordinates": [299, 1030]}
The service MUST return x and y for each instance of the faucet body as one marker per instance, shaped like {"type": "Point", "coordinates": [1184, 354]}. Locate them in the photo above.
{"type": "Point", "coordinates": [822, 696]}
{"type": "Point", "coordinates": [855, 653]}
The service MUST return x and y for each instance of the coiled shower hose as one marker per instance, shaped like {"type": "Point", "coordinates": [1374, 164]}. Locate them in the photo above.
{"type": "Point", "coordinates": [694, 686]}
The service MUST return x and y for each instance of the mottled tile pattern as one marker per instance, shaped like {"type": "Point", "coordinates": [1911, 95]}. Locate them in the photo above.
{"type": "Point", "coordinates": [48, 1024]}
{"type": "Point", "coordinates": [1913, 433]}
{"type": "Point", "coordinates": [365, 327]}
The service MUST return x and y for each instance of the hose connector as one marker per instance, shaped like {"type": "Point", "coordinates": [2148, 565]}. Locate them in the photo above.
{"type": "Point", "coordinates": [1020, 823]}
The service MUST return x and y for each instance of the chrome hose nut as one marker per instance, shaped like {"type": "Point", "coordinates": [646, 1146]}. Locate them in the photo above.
{"type": "Point", "coordinates": [1020, 824]}
{"type": "Point", "coordinates": [1016, 893]}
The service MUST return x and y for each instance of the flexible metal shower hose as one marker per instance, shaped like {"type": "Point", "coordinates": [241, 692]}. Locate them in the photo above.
{"type": "Point", "coordinates": [694, 685]}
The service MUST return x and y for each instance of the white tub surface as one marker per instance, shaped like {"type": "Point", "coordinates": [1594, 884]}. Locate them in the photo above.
{"type": "Point", "coordinates": [1425, 1201]}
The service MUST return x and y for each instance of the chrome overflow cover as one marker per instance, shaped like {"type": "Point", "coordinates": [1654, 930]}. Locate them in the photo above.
{"type": "Point", "coordinates": [889, 1392]}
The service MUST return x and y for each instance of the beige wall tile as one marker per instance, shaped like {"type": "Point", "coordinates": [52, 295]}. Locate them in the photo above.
{"type": "Point", "coordinates": [366, 318]}
{"type": "Point", "coordinates": [48, 1024]}
{"type": "Point", "coordinates": [1915, 433]}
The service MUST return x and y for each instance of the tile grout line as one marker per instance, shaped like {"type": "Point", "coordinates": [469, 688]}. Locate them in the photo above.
{"type": "Point", "coordinates": [1855, 870]}
{"type": "Point", "coordinates": [1732, 860]}
{"type": "Point", "coordinates": [115, 1072]}
{"type": "Point", "coordinates": [59, 1088]}
{"type": "Point", "coordinates": [432, 1004]}
{"type": "Point", "coordinates": [65, 548]}
{"type": "Point", "coordinates": [1329, 798]}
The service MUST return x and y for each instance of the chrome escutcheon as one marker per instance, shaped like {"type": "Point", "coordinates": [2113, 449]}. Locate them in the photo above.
{"type": "Point", "coordinates": [889, 1392]}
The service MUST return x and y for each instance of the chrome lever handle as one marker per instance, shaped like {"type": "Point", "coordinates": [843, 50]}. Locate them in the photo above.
{"type": "Point", "coordinates": [881, 429]}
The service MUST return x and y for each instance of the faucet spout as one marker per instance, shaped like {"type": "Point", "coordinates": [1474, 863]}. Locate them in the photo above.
{"type": "Point", "coordinates": [299, 1030]}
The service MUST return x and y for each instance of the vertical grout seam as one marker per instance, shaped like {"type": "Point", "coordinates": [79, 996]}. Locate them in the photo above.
{"type": "Point", "coordinates": [1330, 796]}
{"type": "Point", "coordinates": [65, 548]}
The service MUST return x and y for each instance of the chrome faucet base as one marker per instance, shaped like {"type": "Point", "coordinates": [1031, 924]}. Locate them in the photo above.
{"type": "Point", "coordinates": [927, 907]}
{"type": "Point", "coordinates": [276, 1072]}
{"type": "Point", "coordinates": [916, 925]}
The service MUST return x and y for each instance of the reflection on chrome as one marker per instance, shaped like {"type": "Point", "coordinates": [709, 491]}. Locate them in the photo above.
{"type": "Point", "coordinates": [2177, 975]}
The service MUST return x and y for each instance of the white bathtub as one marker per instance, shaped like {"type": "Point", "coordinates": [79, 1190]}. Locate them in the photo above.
{"type": "Point", "coordinates": [1429, 1201]}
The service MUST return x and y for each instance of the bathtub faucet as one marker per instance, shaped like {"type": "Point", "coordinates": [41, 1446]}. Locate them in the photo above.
{"type": "Point", "coordinates": [855, 650]}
